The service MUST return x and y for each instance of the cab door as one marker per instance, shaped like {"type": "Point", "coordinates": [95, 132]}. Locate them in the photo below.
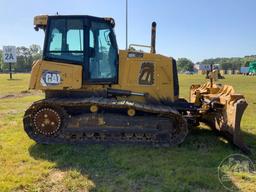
{"type": "Point", "coordinates": [102, 65]}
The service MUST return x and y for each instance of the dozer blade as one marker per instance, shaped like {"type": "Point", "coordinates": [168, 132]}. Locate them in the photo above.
{"type": "Point", "coordinates": [222, 110]}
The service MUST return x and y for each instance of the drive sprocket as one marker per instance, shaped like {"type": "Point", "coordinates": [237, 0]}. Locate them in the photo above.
{"type": "Point", "coordinates": [47, 121]}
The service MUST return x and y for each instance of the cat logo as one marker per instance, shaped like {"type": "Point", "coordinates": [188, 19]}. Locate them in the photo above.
{"type": "Point", "coordinates": [50, 78]}
{"type": "Point", "coordinates": [146, 76]}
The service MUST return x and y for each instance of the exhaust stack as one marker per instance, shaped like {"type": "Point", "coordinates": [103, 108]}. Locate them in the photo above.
{"type": "Point", "coordinates": [153, 38]}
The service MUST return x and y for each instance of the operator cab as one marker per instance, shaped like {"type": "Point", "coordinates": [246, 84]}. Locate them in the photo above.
{"type": "Point", "coordinates": [83, 40]}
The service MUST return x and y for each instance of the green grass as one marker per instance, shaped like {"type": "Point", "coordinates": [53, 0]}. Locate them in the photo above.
{"type": "Point", "coordinates": [192, 166]}
{"type": "Point", "coordinates": [17, 84]}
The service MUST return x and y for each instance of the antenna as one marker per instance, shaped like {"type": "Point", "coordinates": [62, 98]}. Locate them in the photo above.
{"type": "Point", "coordinates": [126, 24]}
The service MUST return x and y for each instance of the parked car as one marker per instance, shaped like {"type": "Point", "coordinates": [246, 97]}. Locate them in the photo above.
{"type": "Point", "coordinates": [189, 72]}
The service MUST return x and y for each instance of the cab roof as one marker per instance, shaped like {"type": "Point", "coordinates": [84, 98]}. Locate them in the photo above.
{"type": "Point", "coordinates": [40, 21]}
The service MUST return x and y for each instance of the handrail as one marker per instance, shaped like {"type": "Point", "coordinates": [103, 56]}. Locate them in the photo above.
{"type": "Point", "coordinates": [138, 45]}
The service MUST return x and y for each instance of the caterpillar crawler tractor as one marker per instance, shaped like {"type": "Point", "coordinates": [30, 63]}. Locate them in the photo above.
{"type": "Point", "coordinates": [95, 93]}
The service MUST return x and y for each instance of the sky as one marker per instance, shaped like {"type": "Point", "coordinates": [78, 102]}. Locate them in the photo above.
{"type": "Point", "coordinates": [196, 29]}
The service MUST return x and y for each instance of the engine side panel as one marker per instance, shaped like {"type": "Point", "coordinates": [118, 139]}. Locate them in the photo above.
{"type": "Point", "coordinates": [147, 73]}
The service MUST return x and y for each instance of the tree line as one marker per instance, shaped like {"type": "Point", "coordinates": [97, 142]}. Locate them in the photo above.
{"type": "Point", "coordinates": [233, 63]}
{"type": "Point", "coordinates": [25, 58]}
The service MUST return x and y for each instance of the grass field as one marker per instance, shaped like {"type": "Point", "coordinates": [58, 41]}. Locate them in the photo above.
{"type": "Point", "coordinates": [192, 166]}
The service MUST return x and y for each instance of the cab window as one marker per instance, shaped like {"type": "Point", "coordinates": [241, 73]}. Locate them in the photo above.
{"type": "Point", "coordinates": [66, 40]}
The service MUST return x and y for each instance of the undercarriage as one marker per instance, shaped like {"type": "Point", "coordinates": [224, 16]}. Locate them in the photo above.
{"type": "Point", "coordinates": [104, 120]}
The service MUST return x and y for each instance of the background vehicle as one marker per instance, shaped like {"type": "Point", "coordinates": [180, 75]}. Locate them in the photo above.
{"type": "Point", "coordinates": [252, 68]}
{"type": "Point", "coordinates": [189, 72]}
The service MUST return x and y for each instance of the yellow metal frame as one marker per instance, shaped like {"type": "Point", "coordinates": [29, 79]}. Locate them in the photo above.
{"type": "Point", "coordinates": [129, 71]}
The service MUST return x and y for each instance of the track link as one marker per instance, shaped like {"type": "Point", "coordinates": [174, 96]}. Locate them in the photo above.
{"type": "Point", "coordinates": [165, 126]}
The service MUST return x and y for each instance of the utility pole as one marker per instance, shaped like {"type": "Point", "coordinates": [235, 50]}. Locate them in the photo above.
{"type": "Point", "coordinates": [126, 24]}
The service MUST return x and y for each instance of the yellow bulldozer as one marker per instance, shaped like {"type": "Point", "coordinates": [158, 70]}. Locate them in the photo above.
{"type": "Point", "coordinates": [95, 93]}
